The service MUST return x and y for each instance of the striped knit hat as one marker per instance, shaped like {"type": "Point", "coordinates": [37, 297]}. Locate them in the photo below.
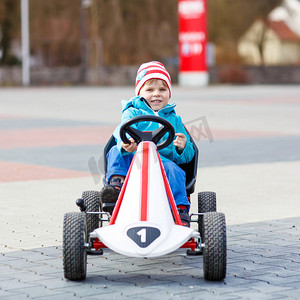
{"type": "Point", "coordinates": [151, 70]}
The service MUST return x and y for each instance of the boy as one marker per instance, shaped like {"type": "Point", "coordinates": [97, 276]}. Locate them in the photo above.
{"type": "Point", "coordinates": [153, 91]}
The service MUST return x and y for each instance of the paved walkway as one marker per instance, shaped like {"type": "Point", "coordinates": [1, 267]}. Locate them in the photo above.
{"type": "Point", "coordinates": [263, 263]}
{"type": "Point", "coordinates": [50, 151]}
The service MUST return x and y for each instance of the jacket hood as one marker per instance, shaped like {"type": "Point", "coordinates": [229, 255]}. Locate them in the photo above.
{"type": "Point", "coordinates": [140, 103]}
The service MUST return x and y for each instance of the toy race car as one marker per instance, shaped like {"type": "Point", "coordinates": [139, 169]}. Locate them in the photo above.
{"type": "Point", "coordinates": [136, 228]}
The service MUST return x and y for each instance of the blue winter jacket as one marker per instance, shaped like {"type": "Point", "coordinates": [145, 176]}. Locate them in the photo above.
{"type": "Point", "coordinates": [138, 106]}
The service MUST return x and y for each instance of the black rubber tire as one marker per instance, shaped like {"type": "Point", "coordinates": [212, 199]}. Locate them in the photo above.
{"type": "Point", "coordinates": [74, 251]}
{"type": "Point", "coordinates": [92, 202]}
{"type": "Point", "coordinates": [215, 249]}
{"type": "Point", "coordinates": [207, 202]}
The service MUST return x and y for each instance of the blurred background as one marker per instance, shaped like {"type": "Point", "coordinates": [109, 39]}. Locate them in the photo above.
{"type": "Point", "coordinates": [102, 42]}
{"type": "Point", "coordinates": [246, 123]}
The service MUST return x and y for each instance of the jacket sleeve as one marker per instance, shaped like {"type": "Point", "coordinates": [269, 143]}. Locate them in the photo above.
{"type": "Point", "coordinates": [188, 152]}
{"type": "Point", "coordinates": [126, 115]}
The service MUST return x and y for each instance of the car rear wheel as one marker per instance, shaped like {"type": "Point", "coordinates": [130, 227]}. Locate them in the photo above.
{"type": "Point", "coordinates": [92, 202]}
{"type": "Point", "coordinates": [206, 203]}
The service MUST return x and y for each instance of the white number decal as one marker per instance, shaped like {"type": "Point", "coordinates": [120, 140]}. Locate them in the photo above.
{"type": "Point", "coordinates": [142, 234]}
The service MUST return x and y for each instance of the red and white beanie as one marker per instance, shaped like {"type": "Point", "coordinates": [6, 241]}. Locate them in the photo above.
{"type": "Point", "coordinates": [151, 70]}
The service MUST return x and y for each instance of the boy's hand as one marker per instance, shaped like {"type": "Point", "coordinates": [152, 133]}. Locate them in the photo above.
{"type": "Point", "coordinates": [180, 141]}
{"type": "Point", "coordinates": [129, 147]}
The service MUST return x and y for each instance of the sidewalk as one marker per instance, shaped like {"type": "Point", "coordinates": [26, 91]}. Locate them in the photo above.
{"type": "Point", "coordinates": [263, 263]}
{"type": "Point", "coordinates": [249, 141]}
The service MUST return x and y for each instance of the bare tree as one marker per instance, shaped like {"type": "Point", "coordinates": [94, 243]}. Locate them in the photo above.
{"type": "Point", "coordinates": [123, 31]}
{"type": "Point", "coordinates": [55, 31]}
{"type": "Point", "coordinates": [9, 12]}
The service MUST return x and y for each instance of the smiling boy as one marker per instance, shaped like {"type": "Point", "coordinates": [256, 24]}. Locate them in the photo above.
{"type": "Point", "coordinates": [153, 92]}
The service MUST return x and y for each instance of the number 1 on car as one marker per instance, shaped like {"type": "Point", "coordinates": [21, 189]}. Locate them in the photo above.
{"type": "Point", "coordinates": [142, 234]}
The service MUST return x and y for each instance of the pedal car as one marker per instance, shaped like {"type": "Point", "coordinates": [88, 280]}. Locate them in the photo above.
{"type": "Point", "coordinates": [136, 228]}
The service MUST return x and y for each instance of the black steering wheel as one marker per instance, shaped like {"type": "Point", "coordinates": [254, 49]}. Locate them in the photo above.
{"type": "Point", "coordinates": [153, 136]}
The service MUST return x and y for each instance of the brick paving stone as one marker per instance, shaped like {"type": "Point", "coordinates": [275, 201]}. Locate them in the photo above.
{"type": "Point", "coordinates": [251, 266]}
{"type": "Point", "coordinates": [46, 270]}
{"type": "Point", "coordinates": [179, 293]}
{"type": "Point", "coordinates": [40, 292]}
{"type": "Point", "coordinates": [195, 272]}
{"type": "Point", "coordinates": [276, 280]}
{"type": "Point", "coordinates": [140, 294]}
{"type": "Point", "coordinates": [140, 280]}
{"type": "Point", "coordinates": [293, 285]}
{"type": "Point", "coordinates": [26, 276]}
{"type": "Point", "coordinates": [25, 264]}
{"type": "Point", "coordinates": [102, 281]}
{"type": "Point", "coordinates": [145, 271]}
{"type": "Point", "coordinates": [5, 258]}
{"type": "Point", "coordinates": [12, 295]}
{"type": "Point", "coordinates": [204, 294]}
{"type": "Point", "coordinates": [257, 295]}
{"type": "Point", "coordinates": [255, 274]}
{"type": "Point", "coordinates": [5, 271]}
{"type": "Point", "coordinates": [293, 257]}
{"type": "Point", "coordinates": [29, 255]}
{"type": "Point", "coordinates": [282, 272]}
{"type": "Point", "coordinates": [145, 292]}
{"type": "Point", "coordinates": [155, 294]}
{"type": "Point", "coordinates": [285, 295]}
{"type": "Point", "coordinates": [285, 263]}
{"type": "Point", "coordinates": [239, 280]}
{"type": "Point", "coordinates": [98, 289]}
{"type": "Point", "coordinates": [182, 280]}
{"type": "Point", "coordinates": [55, 283]}
{"type": "Point", "coordinates": [6, 293]}
{"type": "Point", "coordinates": [265, 288]}
{"type": "Point", "coordinates": [12, 284]}
{"type": "Point", "coordinates": [58, 296]}
{"type": "Point", "coordinates": [104, 272]}
{"type": "Point", "coordinates": [150, 261]}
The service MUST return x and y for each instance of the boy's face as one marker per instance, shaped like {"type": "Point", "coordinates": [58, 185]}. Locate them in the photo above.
{"type": "Point", "coordinates": [156, 94]}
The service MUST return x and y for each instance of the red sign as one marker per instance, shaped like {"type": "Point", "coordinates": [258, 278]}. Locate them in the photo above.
{"type": "Point", "coordinates": [192, 35]}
